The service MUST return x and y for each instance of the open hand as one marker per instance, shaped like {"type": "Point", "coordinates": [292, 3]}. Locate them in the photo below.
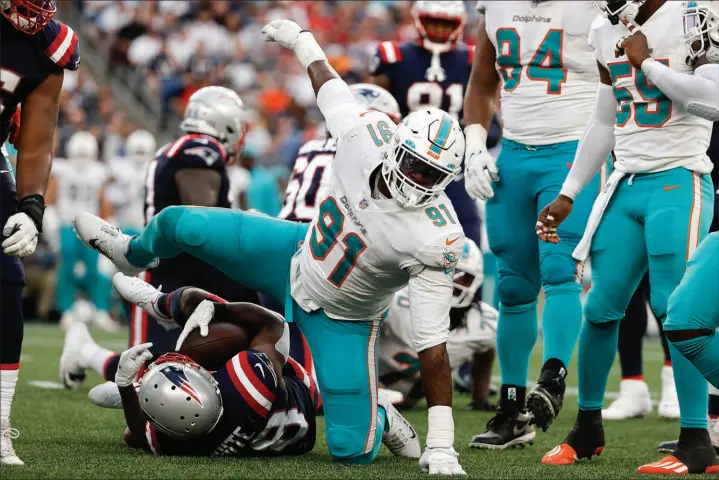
{"type": "Point", "coordinates": [551, 217]}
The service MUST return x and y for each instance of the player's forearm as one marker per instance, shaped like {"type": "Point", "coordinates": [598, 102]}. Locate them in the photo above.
{"type": "Point", "coordinates": [436, 375]}
{"type": "Point", "coordinates": [479, 105]}
{"type": "Point", "coordinates": [479, 100]}
{"type": "Point", "coordinates": [698, 94]}
{"type": "Point", "coordinates": [134, 416]}
{"type": "Point", "coordinates": [595, 145]}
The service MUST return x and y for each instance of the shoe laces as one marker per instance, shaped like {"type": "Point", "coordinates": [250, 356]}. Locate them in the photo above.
{"type": "Point", "coordinates": [397, 438]}
{"type": "Point", "coordinates": [6, 436]}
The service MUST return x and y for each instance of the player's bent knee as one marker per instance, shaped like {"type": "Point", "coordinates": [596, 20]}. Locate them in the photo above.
{"type": "Point", "coordinates": [658, 303]}
{"type": "Point", "coordinates": [188, 226]}
{"type": "Point", "coordinates": [600, 310]}
{"type": "Point", "coordinates": [514, 290]}
{"type": "Point", "coordinates": [557, 269]}
{"type": "Point", "coordinates": [346, 445]}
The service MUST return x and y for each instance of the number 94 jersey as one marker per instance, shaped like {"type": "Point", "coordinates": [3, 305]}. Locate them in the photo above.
{"type": "Point", "coordinates": [405, 64]}
{"type": "Point", "coordinates": [548, 71]}
{"type": "Point", "coordinates": [360, 250]}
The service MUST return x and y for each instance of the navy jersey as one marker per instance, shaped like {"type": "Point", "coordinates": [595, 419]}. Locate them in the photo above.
{"type": "Point", "coordinates": [259, 416]}
{"type": "Point", "coordinates": [189, 151]}
{"type": "Point", "coordinates": [25, 62]}
{"type": "Point", "coordinates": [406, 63]}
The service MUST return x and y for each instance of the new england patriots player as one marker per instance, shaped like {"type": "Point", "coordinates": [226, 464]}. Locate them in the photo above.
{"type": "Point", "coordinates": [385, 224]}
{"type": "Point", "coordinates": [432, 72]}
{"type": "Point", "coordinates": [537, 53]}
{"type": "Point", "coordinates": [261, 402]}
{"type": "Point", "coordinates": [651, 215]}
{"type": "Point", "coordinates": [189, 171]}
{"type": "Point", "coordinates": [34, 52]}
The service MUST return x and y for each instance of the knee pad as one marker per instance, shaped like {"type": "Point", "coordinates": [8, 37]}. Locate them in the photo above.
{"type": "Point", "coordinates": [659, 303]}
{"type": "Point", "coordinates": [344, 444]}
{"type": "Point", "coordinates": [598, 310]}
{"type": "Point", "coordinates": [187, 225]}
{"type": "Point", "coordinates": [558, 268]}
{"type": "Point", "coordinates": [515, 290]}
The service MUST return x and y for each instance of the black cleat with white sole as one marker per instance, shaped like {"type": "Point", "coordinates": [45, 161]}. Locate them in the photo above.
{"type": "Point", "coordinates": [506, 430]}
{"type": "Point", "coordinates": [545, 400]}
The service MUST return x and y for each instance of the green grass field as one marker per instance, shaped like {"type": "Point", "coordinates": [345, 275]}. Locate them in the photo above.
{"type": "Point", "coordinates": [64, 436]}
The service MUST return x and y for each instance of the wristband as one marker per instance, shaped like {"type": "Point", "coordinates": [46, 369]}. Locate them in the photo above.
{"type": "Point", "coordinates": [34, 207]}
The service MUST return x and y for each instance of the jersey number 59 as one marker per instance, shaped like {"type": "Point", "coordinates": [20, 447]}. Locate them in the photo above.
{"type": "Point", "coordinates": [325, 235]}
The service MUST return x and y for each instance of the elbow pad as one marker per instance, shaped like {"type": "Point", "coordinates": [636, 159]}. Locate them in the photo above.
{"type": "Point", "coordinates": [337, 105]}
{"type": "Point", "coordinates": [707, 108]}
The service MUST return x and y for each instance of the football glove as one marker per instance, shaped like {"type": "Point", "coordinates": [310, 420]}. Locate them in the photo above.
{"type": "Point", "coordinates": [481, 169]}
{"type": "Point", "coordinates": [441, 461]}
{"type": "Point", "coordinates": [131, 361]}
{"type": "Point", "coordinates": [201, 317]}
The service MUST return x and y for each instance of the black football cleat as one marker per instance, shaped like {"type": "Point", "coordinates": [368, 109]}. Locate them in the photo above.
{"type": "Point", "coordinates": [694, 453]}
{"type": "Point", "coordinates": [585, 440]}
{"type": "Point", "coordinates": [545, 400]}
{"type": "Point", "coordinates": [505, 430]}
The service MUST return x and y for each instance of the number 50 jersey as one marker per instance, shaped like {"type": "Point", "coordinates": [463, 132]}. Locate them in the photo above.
{"type": "Point", "coordinates": [548, 71]}
{"type": "Point", "coordinates": [360, 250]}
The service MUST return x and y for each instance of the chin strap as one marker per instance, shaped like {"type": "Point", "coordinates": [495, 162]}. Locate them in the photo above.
{"type": "Point", "coordinates": [435, 72]}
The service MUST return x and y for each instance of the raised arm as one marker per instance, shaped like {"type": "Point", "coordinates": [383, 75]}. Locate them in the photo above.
{"type": "Point", "coordinates": [334, 99]}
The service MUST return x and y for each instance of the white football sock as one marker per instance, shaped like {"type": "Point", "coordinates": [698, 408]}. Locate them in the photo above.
{"type": "Point", "coordinates": [8, 380]}
{"type": "Point", "coordinates": [95, 357]}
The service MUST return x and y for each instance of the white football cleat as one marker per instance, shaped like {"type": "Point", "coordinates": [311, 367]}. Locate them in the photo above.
{"type": "Point", "coordinates": [395, 397]}
{"type": "Point", "coordinates": [400, 436]}
{"type": "Point", "coordinates": [441, 461]}
{"type": "Point", "coordinates": [7, 453]}
{"type": "Point", "coordinates": [144, 295]}
{"type": "Point", "coordinates": [109, 240]}
{"type": "Point", "coordinates": [669, 403]}
{"type": "Point", "coordinates": [72, 370]}
{"type": "Point", "coordinates": [104, 321]}
{"type": "Point", "coordinates": [634, 401]}
{"type": "Point", "coordinates": [106, 395]}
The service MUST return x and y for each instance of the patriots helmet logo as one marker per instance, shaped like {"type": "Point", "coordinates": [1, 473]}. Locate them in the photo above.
{"type": "Point", "coordinates": [178, 378]}
{"type": "Point", "coordinates": [368, 94]}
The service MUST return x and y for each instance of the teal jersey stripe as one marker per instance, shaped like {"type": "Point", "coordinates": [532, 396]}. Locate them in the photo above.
{"type": "Point", "coordinates": [8, 149]}
{"type": "Point", "coordinates": [443, 134]}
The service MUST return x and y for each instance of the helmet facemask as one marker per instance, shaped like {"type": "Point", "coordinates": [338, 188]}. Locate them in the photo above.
{"type": "Point", "coordinates": [701, 35]}
{"type": "Point", "coordinates": [464, 288]}
{"type": "Point", "coordinates": [618, 10]}
{"type": "Point", "coordinates": [28, 16]}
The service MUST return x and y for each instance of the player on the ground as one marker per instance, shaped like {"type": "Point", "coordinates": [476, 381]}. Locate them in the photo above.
{"type": "Point", "coordinates": [34, 52]}
{"type": "Point", "coordinates": [189, 171]}
{"type": "Point", "coordinates": [126, 190]}
{"type": "Point", "coordinates": [653, 108]}
{"type": "Point", "coordinates": [539, 52]}
{"type": "Point", "coordinates": [386, 223]}
{"type": "Point", "coordinates": [473, 327]}
{"type": "Point", "coordinates": [432, 72]}
{"type": "Point", "coordinates": [260, 402]}
{"type": "Point", "coordinates": [78, 184]}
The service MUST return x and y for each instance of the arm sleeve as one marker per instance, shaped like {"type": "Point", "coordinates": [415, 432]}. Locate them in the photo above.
{"type": "Point", "coordinates": [698, 94]}
{"type": "Point", "coordinates": [338, 106]}
{"type": "Point", "coordinates": [430, 294]}
{"type": "Point", "coordinates": [595, 145]}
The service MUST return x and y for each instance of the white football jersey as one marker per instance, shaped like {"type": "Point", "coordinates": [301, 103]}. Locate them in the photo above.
{"type": "Point", "coordinates": [310, 180]}
{"type": "Point", "coordinates": [78, 187]}
{"type": "Point", "coordinates": [548, 72]}
{"type": "Point", "coordinates": [398, 361]}
{"type": "Point", "coordinates": [652, 132]}
{"type": "Point", "coordinates": [360, 250]}
{"type": "Point", "coordinates": [126, 193]}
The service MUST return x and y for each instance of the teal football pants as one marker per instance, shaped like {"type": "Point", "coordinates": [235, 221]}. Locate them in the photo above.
{"type": "Point", "coordinates": [256, 250]}
{"type": "Point", "coordinates": [653, 222]}
{"type": "Point", "coordinates": [530, 179]}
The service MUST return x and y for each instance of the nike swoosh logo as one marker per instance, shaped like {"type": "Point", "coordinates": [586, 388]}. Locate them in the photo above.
{"type": "Point", "coordinates": [258, 364]}
{"type": "Point", "coordinates": [4, 171]}
{"type": "Point", "coordinates": [93, 243]}
{"type": "Point", "coordinates": [670, 187]}
{"type": "Point", "coordinates": [518, 430]}
{"type": "Point", "coordinates": [450, 242]}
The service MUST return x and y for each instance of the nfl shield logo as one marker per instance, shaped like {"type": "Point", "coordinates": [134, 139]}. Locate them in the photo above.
{"type": "Point", "coordinates": [363, 204]}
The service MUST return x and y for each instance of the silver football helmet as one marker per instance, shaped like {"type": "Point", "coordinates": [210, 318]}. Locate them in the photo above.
{"type": "Point", "coordinates": [179, 397]}
{"type": "Point", "coordinates": [140, 146]}
{"type": "Point", "coordinates": [618, 10]}
{"type": "Point", "coordinates": [701, 32]}
{"type": "Point", "coordinates": [82, 148]}
{"type": "Point", "coordinates": [219, 113]}
{"type": "Point", "coordinates": [468, 275]}
{"type": "Point", "coordinates": [374, 97]}
{"type": "Point", "coordinates": [447, 11]}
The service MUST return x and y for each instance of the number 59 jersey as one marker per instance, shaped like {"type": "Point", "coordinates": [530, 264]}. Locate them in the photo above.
{"type": "Point", "coordinates": [652, 133]}
{"type": "Point", "coordinates": [360, 250]}
{"type": "Point", "coordinates": [548, 72]}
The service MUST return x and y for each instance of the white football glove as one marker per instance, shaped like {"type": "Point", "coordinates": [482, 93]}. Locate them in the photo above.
{"type": "Point", "coordinates": [201, 318]}
{"type": "Point", "coordinates": [22, 236]}
{"type": "Point", "coordinates": [480, 169]}
{"type": "Point", "coordinates": [131, 361]}
{"type": "Point", "coordinates": [284, 32]}
{"type": "Point", "coordinates": [441, 461]}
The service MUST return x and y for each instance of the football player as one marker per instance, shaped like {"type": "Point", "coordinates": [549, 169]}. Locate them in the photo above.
{"type": "Point", "coordinates": [432, 72]}
{"type": "Point", "coordinates": [472, 332]}
{"type": "Point", "coordinates": [189, 171]}
{"type": "Point", "coordinates": [538, 52]}
{"type": "Point", "coordinates": [127, 184]}
{"type": "Point", "coordinates": [35, 50]}
{"type": "Point", "coordinates": [385, 223]}
{"type": "Point", "coordinates": [260, 402]}
{"type": "Point", "coordinates": [77, 184]}
{"type": "Point", "coordinates": [652, 213]}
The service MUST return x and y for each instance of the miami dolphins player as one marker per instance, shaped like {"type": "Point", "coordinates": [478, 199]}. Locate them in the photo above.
{"type": "Point", "coordinates": [385, 224]}
{"type": "Point", "coordinates": [652, 213]}
{"type": "Point", "coordinates": [432, 72]}
{"type": "Point", "coordinates": [548, 80]}
{"type": "Point", "coordinates": [473, 329]}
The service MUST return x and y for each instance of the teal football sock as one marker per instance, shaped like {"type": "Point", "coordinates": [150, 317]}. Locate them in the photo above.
{"type": "Point", "coordinates": [561, 320]}
{"type": "Point", "coordinates": [597, 349]}
{"type": "Point", "coordinates": [516, 336]}
{"type": "Point", "coordinates": [694, 361]}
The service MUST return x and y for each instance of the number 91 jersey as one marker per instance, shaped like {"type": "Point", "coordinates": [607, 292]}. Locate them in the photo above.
{"type": "Point", "coordinates": [548, 71]}
{"type": "Point", "coordinates": [360, 250]}
{"type": "Point", "coordinates": [646, 118]}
